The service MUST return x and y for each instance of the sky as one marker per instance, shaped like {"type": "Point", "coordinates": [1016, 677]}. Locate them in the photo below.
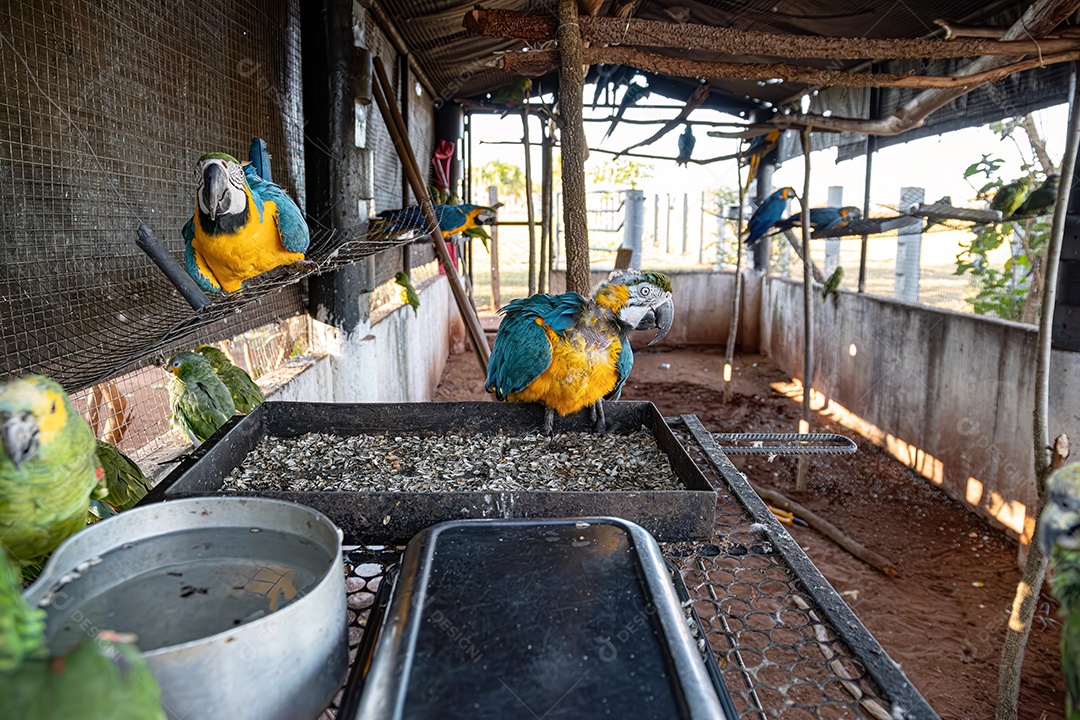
{"type": "Point", "coordinates": [935, 163]}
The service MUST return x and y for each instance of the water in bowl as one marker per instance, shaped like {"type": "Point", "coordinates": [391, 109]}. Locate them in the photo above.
{"type": "Point", "coordinates": [187, 585]}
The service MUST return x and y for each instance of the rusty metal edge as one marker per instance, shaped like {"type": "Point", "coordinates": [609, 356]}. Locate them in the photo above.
{"type": "Point", "coordinates": [885, 672]}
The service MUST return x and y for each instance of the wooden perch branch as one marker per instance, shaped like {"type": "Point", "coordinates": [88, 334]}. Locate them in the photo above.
{"type": "Point", "coordinates": [731, 41]}
{"type": "Point", "coordinates": [826, 528]}
{"type": "Point", "coordinates": [542, 62]}
{"type": "Point", "coordinates": [957, 30]}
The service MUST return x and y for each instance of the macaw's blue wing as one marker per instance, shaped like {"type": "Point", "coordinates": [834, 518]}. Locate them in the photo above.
{"type": "Point", "coordinates": [454, 218]}
{"type": "Point", "coordinates": [204, 281]}
{"type": "Point", "coordinates": [294, 230]}
{"type": "Point", "coordinates": [522, 349]}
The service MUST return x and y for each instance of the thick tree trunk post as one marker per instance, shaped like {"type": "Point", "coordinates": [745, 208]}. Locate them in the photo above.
{"type": "Point", "coordinates": [808, 311]}
{"type": "Point", "coordinates": [496, 285]}
{"type": "Point", "coordinates": [571, 86]}
{"type": "Point", "coordinates": [733, 328]}
{"type": "Point", "coordinates": [529, 210]}
{"type": "Point", "coordinates": [1027, 592]}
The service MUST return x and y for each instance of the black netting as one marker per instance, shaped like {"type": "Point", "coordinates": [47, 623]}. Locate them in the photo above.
{"type": "Point", "coordinates": [104, 110]}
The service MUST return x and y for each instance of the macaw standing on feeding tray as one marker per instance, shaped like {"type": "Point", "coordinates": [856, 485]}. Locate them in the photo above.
{"type": "Point", "coordinates": [49, 469]}
{"type": "Point", "coordinates": [243, 225]}
{"type": "Point", "coordinates": [570, 352]}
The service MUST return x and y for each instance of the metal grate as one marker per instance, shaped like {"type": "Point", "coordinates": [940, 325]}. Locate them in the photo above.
{"type": "Point", "coordinates": [788, 646]}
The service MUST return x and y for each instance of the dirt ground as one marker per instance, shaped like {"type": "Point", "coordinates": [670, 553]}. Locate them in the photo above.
{"type": "Point", "coordinates": [944, 619]}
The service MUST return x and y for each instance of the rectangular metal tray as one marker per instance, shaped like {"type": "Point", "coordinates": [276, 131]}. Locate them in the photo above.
{"type": "Point", "coordinates": [382, 517]}
{"type": "Point", "coordinates": [516, 618]}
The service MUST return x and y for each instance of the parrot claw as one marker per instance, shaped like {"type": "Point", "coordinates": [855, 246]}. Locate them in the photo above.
{"type": "Point", "coordinates": [599, 421]}
{"type": "Point", "coordinates": [549, 422]}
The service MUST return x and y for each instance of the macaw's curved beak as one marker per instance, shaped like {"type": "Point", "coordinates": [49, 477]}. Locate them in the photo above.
{"type": "Point", "coordinates": [486, 217]}
{"type": "Point", "coordinates": [215, 190]}
{"type": "Point", "coordinates": [659, 317]}
{"type": "Point", "coordinates": [18, 436]}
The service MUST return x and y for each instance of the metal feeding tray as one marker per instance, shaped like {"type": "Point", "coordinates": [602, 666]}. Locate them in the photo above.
{"type": "Point", "coordinates": [395, 516]}
{"type": "Point", "coordinates": [522, 619]}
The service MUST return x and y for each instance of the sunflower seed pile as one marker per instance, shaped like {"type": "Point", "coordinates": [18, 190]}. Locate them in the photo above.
{"type": "Point", "coordinates": [381, 463]}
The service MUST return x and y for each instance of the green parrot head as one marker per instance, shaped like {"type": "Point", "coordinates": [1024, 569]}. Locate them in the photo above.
{"type": "Point", "coordinates": [1052, 180]}
{"type": "Point", "coordinates": [1059, 523]}
{"type": "Point", "coordinates": [221, 187]}
{"type": "Point", "coordinates": [34, 411]}
{"type": "Point", "coordinates": [217, 358]}
{"type": "Point", "coordinates": [189, 366]}
{"type": "Point", "coordinates": [642, 300]}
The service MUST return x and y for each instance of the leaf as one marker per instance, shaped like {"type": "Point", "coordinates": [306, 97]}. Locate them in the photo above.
{"type": "Point", "coordinates": [972, 169]}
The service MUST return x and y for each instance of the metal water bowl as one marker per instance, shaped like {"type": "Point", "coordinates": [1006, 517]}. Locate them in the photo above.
{"type": "Point", "coordinates": [238, 603]}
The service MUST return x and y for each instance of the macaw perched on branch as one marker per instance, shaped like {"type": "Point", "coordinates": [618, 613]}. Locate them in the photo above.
{"type": "Point", "coordinates": [767, 214]}
{"type": "Point", "coordinates": [824, 218]}
{"type": "Point", "coordinates": [102, 678]}
{"type": "Point", "coordinates": [570, 352]}
{"type": "Point", "coordinates": [48, 468]}
{"type": "Point", "coordinates": [759, 147]}
{"type": "Point", "coordinates": [1011, 196]}
{"type": "Point", "coordinates": [687, 141]}
{"type": "Point", "coordinates": [453, 219]}
{"type": "Point", "coordinates": [1042, 199]}
{"type": "Point", "coordinates": [242, 227]}
{"type": "Point", "coordinates": [631, 96]}
{"type": "Point", "coordinates": [1059, 535]}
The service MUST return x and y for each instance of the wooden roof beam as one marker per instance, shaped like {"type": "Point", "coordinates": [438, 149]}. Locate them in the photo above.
{"type": "Point", "coordinates": [731, 41]}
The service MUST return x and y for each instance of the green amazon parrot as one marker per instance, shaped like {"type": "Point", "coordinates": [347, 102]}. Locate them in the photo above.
{"type": "Point", "coordinates": [102, 678]}
{"type": "Point", "coordinates": [1059, 535]}
{"type": "Point", "coordinates": [512, 94]}
{"type": "Point", "coordinates": [407, 291]}
{"type": "Point", "coordinates": [246, 394]}
{"type": "Point", "coordinates": [124, 479]}
{"type": "Point", "coordinates": [48, 468]}
{"type": "Point", "coordinates": [1042, 199]}
{"type": "Point", "coordinates": [833, 283]}
{"type": "Point", "coordinates": [199, 400]}
{"type": "Point", "coordinates": [1011, 196]}
{"type": "Point", "coordinates": [943, 200]}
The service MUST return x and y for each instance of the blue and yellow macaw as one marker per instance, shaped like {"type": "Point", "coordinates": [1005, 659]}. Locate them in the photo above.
{"type": "Point", "coordinates": [570, 352]}
{"type": "Point", "coordinates": [759, 147]}
{"type": "Point", "coordinates": [823, 218]}
{"type": "Point", "coordinates": [242, 227]}
{"type": "Point", "coordinates": [767, 214]}
{"type": "Point", "coordinates": [453, 219]}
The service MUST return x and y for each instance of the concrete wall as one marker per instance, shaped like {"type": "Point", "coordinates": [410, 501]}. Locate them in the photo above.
{"type": "Point", "coordinates": [948, 393]}
{"type": "Point", "coordinates": [702, 305]}
{"type": "Point", "coordinates": [398, 359]}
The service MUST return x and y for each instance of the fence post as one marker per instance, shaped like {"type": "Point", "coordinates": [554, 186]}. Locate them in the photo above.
{"type": "Point", "coordinates": [685, 221]}
{"type": "Point", "coordinates": [832, 245]}
{"type": "Point", "coordinates": [701, 231]}
{"type": "Point", "coordinates": [908, 250]}
{"type": "Point", "coordinates": [656, 220]}
{"type": "Point", "coordinates": [667, 230]}
{"type": "Point", "coordinates": [493, 200]}
{"type": "Point", "coordinates": [633, 225]}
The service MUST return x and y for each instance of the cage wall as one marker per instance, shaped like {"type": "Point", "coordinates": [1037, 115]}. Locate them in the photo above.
{"type": "Point", "coordinates": [104, 110]}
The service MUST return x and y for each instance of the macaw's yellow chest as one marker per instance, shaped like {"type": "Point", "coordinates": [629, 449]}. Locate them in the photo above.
{"type": "Point", "coordinates": [582, 371]}
{"type": "Point", "coordinates": [231, 258]}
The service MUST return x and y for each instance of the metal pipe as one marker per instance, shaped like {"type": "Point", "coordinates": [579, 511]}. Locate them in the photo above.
{"type": "Point", "coordinates": [148, 243]}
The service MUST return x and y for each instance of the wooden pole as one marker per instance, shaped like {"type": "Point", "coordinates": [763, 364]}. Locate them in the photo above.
{"type": "Point", "coordinates": [548, 140]}
{"type": "Point", "coordinates": [529, 210]}
{"type": "Point", "coordinates": [496, 283]}
{"type": "Point", "coordinates": [571, 87]}
{"type": "Point", "coordinates": [408, 161]}
{"type": "Point", "coordinates": [733, 326]}
{"type": "Point", "coordinates": [808, 311]}
{"type": "Point", "coordinates": [1027, 591]}
{"type": "Point", "coordinates": [732, 41]}
{"type": "Point", "coordinates": [826, 528]}
{"type": "Point", "coordinates": [871, 148]}
{"type": "Point", "coordinates": [797, 246]}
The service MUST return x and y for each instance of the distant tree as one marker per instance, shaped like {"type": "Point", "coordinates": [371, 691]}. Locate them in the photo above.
{"type": "Point", "coordinates": [619, 173]}
{"type": "Point", "coordinates": [509, 178]}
